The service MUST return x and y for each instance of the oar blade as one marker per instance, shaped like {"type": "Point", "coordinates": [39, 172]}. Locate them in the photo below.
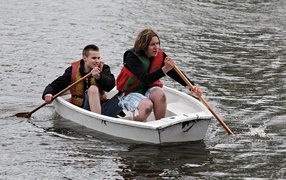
{"type": "Point", "coordinates": [28, 114]}
{"type": "Point", "coordinates": [23, 114]}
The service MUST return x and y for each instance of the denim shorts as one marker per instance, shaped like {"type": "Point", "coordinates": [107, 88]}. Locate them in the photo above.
{"type": "Point", "coordinates": [131, 101]}
{"type": "Point", "coordinates": [108, 108]}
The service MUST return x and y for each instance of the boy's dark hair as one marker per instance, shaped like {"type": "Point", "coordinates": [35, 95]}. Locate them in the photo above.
{"type": "Point", "coordinates": [90, 47]}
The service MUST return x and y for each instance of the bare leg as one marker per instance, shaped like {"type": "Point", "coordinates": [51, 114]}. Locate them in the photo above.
{"type": "Point", "coordinates": [159, 100]}
{"type": "Point", "coordinates": [94, 101]}
{"type": "Point", "coordinates": [144, 108]}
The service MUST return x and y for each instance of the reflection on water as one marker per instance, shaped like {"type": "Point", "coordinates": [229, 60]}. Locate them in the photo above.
{"type": "Point", "coordinates": [234, 50]}
{"type": "Point", "coordinates": [138, 160]}
{"type": "Point", "coordinates": [147, 161]}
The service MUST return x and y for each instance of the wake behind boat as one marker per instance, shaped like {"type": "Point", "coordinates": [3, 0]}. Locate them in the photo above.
{"type": "Point", "coordinates": [187, 119]}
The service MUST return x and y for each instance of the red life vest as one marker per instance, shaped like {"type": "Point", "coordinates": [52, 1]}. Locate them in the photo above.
{"type": "Point", "coordinates": [127, 82]}
{"type": "Point", "coordinates": [78, 90]}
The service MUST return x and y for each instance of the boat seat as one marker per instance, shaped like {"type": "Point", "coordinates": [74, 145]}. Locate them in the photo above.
{"type": "Point", "coordinates": [178, 108]}
{"type": "Point", "coordinates": [173, 109]}
{"type": "Point", "coordinates": [129, 116]}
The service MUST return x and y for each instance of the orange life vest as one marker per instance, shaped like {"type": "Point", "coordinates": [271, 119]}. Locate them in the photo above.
{"type": "Point", "coordinates": [78, 90]}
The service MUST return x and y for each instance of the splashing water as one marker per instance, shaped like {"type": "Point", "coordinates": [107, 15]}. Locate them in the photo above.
{"type": "Point", "coordinates": [259, 132]}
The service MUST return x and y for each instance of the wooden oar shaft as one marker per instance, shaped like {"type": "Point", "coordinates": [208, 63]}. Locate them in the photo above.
{"type": "Point", "coordinates": [203, 101]}
{"type": "Point", "coordinates": [70, 86]}
{"type": "Point", "coordinates": [55, 96]}
{"type": "Point", "coordinates": [34, 110]}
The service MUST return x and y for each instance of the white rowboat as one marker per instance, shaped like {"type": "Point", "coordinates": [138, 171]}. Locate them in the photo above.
{"type": "Point", "coordinates": [187, 119]}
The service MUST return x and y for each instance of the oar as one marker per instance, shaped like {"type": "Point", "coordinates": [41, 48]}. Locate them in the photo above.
{"type": "Point", "coordinates": [202, 99]}
{"type": "Point", "coordinates": [28, 114]}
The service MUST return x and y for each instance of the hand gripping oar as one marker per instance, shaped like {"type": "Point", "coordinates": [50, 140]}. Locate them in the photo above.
{"type": "Point", "coordinates": [202, 99]}
{"type": "Point", "coordinates": [28, 114]}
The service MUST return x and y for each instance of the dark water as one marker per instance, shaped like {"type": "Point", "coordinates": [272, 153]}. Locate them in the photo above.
{"type": "Point", "coordinates": [234, 50]}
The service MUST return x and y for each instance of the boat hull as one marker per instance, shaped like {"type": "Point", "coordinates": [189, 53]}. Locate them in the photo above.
{"type": "Point", "coordinates": [175, 128]}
